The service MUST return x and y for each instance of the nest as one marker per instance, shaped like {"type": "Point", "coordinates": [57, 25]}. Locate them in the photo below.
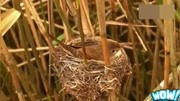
{"type": "Point", "coordinates": [93, 80]}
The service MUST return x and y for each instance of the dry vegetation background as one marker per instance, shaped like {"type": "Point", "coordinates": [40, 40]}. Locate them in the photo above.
{"type": "Point", "coordinates": [153, 46]}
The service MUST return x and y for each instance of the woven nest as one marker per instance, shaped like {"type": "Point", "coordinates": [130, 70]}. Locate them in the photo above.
{"type": "Point", "coordinates": [93, 80]}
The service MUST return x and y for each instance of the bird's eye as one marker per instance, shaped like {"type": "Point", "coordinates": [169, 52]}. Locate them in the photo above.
{"type": "Point", "coordinates": [112, 51]}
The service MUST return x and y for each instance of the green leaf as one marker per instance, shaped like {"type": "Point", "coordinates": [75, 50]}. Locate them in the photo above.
{"type": "Point", "coordinates": [60, 38]}
{"type": "Point", "coordinates": [177, 14]}
{"type": "Point", "coordinates": [160, 1]}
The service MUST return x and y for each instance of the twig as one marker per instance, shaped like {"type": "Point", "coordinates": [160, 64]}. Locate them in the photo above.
{"type": "Point", "coordinates": [29, 49]}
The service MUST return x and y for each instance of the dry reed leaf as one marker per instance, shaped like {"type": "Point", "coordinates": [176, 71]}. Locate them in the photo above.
{"type": "Point", "coordinates": [8, 19]}
{"type": "Point", "coordinates": [126, 24]}
{"type": "Point", "coordinates": [87, 25]}
{"type": "Point", "coordinates": [34, 13]}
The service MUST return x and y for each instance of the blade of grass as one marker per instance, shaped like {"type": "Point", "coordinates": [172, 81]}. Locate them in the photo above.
{"type": "Point", "coordinates": [61, 13]}
{"type": "Point", "coordinates": [8, 19]}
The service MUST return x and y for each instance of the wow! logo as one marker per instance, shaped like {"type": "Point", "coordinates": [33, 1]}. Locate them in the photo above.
{"type": "Point", "coordinates": [166, 95]}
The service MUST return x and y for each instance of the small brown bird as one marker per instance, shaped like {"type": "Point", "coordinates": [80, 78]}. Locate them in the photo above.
{"type": "Point", "coordinates": [93, 48]}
